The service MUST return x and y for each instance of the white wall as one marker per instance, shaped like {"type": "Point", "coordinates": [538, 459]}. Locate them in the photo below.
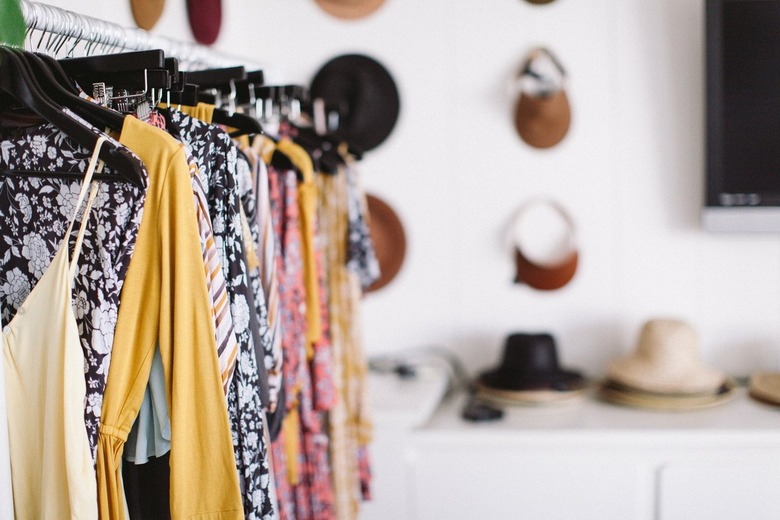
{"type": "Point", "coordinates": [630, 171]}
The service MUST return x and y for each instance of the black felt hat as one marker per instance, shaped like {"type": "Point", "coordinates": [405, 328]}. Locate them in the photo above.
{"type": "Point", "coordinates": [365, 94]}
{"type": "Point", "coordinates": [530, 362]}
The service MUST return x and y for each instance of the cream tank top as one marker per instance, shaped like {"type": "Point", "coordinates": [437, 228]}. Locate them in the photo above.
{"type": "Point", "coordinates": [51, 465]}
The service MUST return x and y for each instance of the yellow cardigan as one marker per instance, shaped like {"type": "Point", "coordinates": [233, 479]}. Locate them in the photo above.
{"type": "Point", "coordinates": [165, 300]}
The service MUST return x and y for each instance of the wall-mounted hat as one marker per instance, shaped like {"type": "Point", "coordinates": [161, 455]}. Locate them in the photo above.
{"type": "Point", "coordinates": [389, 239]}
{"type": "Point", "coordinates": [530, 362]}
{"type": "Point", "coordinates": [205, 18]}
{"type": "Point", "coordinates": [349, 9]}
{"type": "Point", "coordinates": [551, 263]}
{"type": "Point", "coordinates": [365, 94]}
{"type": "Point", "coordinates": [666, 360]}
{"type": "Point", "coordinates": [540, 2]}
{"type": "Point", "coordinates": [146, 13]}
{"type": "Point", "coordinates": [542, 114]}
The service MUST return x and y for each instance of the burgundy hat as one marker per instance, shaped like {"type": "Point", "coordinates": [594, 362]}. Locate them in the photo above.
{"type": "Point", "coordinates": [205, 19]}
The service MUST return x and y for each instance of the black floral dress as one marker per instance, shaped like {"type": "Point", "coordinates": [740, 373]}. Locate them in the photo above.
{"type": "Point", "coordinates": [34, 214]}
{"type": "Point", "coordinates": [216, 156]}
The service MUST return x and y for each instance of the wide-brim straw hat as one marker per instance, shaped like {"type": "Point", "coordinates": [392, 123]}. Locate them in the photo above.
{"type": "Point", "coordinates": [666, 360]}
{"type": "Point", "coordinates": [147, 13]}
{"type": "Point", "coordinates": [349, 9]}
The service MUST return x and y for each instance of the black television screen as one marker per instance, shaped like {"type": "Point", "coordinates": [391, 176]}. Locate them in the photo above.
{"type": "Point", "coordinates": [743, 115]}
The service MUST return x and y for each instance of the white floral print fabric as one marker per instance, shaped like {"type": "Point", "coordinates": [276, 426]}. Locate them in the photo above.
{"type": "Point", "coordinates": [34, 214]}
{"type": "Point", "coordinates": [216, 157]}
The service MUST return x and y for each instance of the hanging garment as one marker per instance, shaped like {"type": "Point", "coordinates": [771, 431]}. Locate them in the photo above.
{"type": "Point", "coordinates": [165, 300]}
{"type": "Point", "coordinates": [284, 212]}
{"type": "Point", "coordinates": [307, 210]}
{"type": "Point", "coordinates": [265, 245]}
{"type": "Point", "coordinates": [361, 255]}
{"type": "Point", "coordinates": [349, 424]}
{"type": "Point", "coordinates": [33, 213]}
{"type": "Point", "coordinates": [6, 493]}
{"type": "Point", "coordinates": [216, 156]}
{"type": "Point", "coordinates": [51, 464]}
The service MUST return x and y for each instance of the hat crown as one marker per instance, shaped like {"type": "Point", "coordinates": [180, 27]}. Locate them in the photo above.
{"type": "Point", "coordinates": [529, 353]}
{"type": "Point", "coordinates": [668, 341]}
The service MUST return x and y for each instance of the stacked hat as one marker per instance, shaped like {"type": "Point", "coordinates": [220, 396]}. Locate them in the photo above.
{"type": "Point", "coordinates": [529, 374]}
{"type": "Point", "coordinates": [665, 371]}
{"type": "Point", "coordinates": [765, 387]}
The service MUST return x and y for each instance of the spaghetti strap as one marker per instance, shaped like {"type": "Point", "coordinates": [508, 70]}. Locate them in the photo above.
{"type": "Point", "coordinates": [94, 164]}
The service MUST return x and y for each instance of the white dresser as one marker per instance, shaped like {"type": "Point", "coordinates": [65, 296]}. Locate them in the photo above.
{"type": "Point", "coordinates": [596, 461]}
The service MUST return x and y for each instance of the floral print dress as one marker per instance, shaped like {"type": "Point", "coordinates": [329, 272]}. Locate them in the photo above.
{"type": "Point", "coordinates": [34, 213]}
{"type": "Point", "coordinates": [216, 156]}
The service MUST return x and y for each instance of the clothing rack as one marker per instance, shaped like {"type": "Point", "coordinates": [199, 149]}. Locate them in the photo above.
{"type": "Point", "coordinates": [100, 36]}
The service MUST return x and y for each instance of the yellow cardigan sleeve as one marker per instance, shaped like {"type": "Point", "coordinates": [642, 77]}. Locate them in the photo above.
{"type": "Point", "coordinates": [165, 301]}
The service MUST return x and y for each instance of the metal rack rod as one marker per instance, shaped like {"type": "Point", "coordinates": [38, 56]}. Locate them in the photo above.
{"type": "Point", "coordinates": [72, 29]}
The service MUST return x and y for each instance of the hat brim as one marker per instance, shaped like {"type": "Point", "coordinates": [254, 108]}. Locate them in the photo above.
{"type": "Point", "coordinates": [618, 394]}
{"type": "Point", "coordinates": [349, 10]}
{"type": "Point", "coordinates": [765, 387]}
{"type": "Point", "coordinates": [505, 380]}
{"type": "Point", "coordinates": [521, 397]}
{"type": "Point", "coordinates": [638, 373]}
{"type": "Point", "coordinates": [543, 121]}
{"type": "Point", "coordinates": [387, 233]}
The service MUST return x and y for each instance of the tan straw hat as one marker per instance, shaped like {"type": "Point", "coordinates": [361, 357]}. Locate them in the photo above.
{"type": "Point", "coordinates": [666, 360]}
{"type": "Point", "coordinates": [146, 13]}
{"type": "Point", "coordinates": [349, 9]}
{"type": "Point", "coordinates": [765, 387]}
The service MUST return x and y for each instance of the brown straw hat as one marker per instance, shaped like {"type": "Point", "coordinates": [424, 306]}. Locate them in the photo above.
{"type": "Point", "coordinates": [542, 113]}
{"type": "Point", "coordinates": [146, 13]}
{"type": "Point", "coordinates": [349, 9]}
{"type": "Point", "coordinates": [389, 239]}
{"type": "Point", "coordinates": [554, 270]}
{"type": "Point", "coordinates": [666, 360]}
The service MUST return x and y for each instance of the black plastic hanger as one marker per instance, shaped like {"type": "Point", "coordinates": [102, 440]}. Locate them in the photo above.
{"type": "Point", "coordinates": [96, 114]}
{"type": "Point", "coordinates": [120, 62]}
{"type": "Point", "coordinates": [216, 78]}
{"type": "Point", "coordinates": [16, 81]}
{"type": "Point", "coordinates": [242, 123]}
